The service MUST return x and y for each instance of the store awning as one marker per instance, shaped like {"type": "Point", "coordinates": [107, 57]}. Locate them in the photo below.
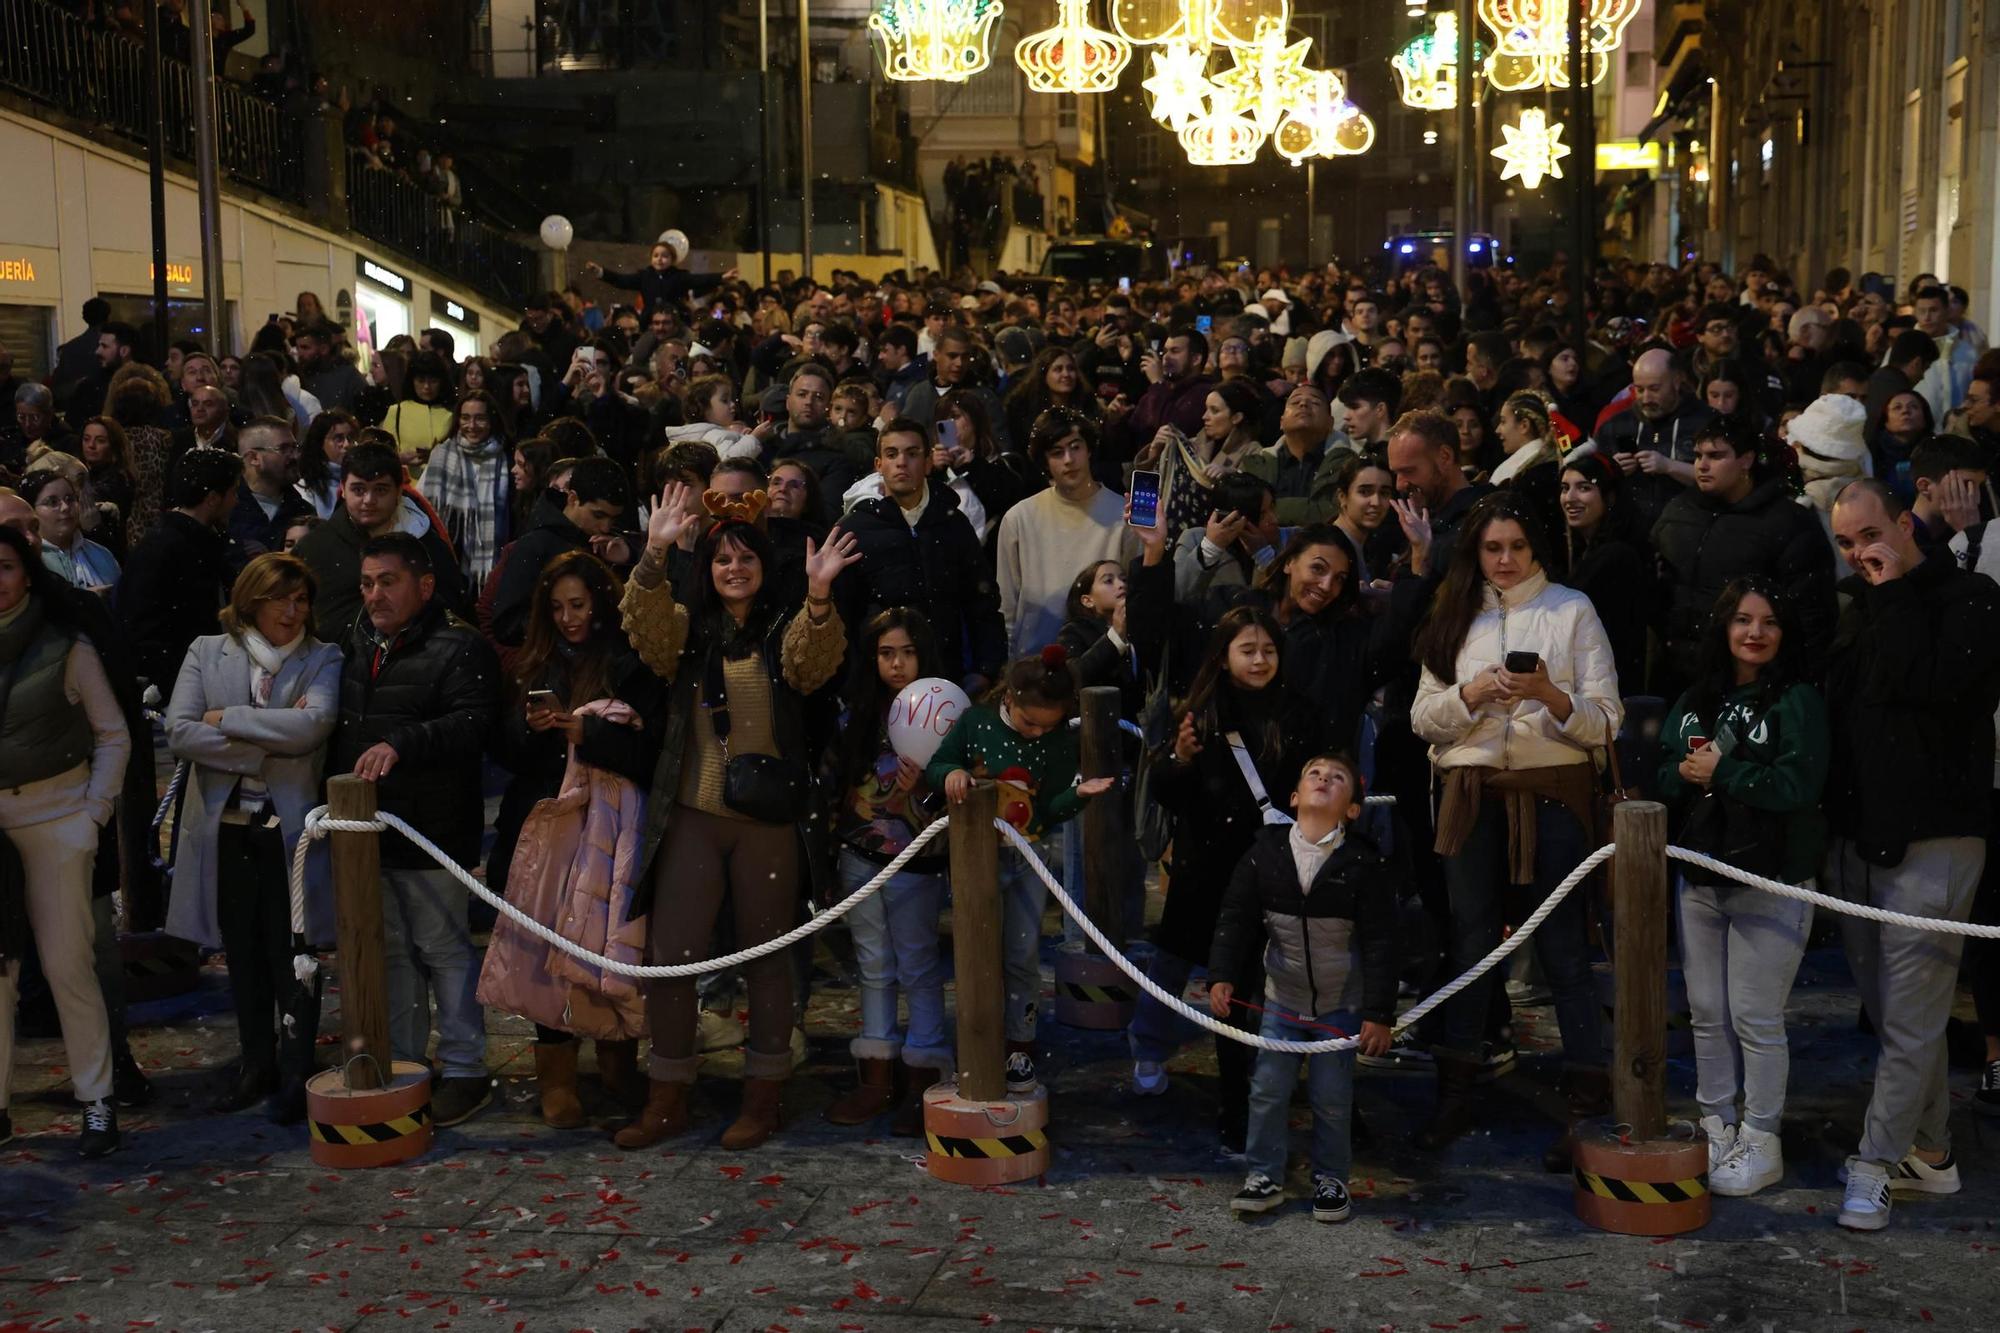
{"type": "Point", "coordinates": [1689, 82]}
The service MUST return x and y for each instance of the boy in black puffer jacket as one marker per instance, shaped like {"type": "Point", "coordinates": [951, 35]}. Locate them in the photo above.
{"type": "Point", "coordinates": [1319, 900]}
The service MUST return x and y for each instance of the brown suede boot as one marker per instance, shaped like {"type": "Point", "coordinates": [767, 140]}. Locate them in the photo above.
{"type": "Point", "coordinates": [873, 1095]}
{"type": "Point", "coordinates": [666, 1115]}
{"type": "Point", "coordinates": [555, 1075]}
{"type": "Point", "coordinates": [909, 1119]}
{"type": "Point", "coordinates": [759, 1118]}
{"type": "Point", "coordinates": [618, 1071]}
{"type": "Point", "coordinates": [1457, 1104]}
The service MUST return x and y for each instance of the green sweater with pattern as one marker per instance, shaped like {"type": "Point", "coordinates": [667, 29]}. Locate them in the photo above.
{"type": "Point", "coordinates": [1037, 778]}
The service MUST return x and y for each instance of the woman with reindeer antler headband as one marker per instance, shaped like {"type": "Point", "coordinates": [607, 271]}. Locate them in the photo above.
{"type": "Point", "coordinates": [729, 786]}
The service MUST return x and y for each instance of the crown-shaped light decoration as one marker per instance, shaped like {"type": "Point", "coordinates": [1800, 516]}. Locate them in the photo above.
{"type": "Point", "coordinates": [1427, 68]}
{"type": "Point", "coordinates": [933, 39]}
{"type": "Point", "coordinates": [1072, 57]}
{"type": "Point", "coordinates": [1224, 134]}
{"type": "Point", "coordinates": [1322, 122]}
{"type": "Point", "coordinates": [1531, 40]}
{"type": "Point", "coordinates": [1178, 85]}
{"type": "Point", "coordinates": [1267, 76]}
{"type": "Point", "coordinates": [1534, 149]}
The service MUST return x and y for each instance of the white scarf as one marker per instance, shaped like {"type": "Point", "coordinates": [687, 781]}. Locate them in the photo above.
{"type": "Point", "coordinates": [1527, 456]}
{"type": "Point", "coordinates": [267, 661]}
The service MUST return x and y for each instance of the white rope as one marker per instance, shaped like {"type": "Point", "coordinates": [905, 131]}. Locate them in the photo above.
{"type": "Point", "coordinates": [1330, 1044]}
{"type": "Point", "coordinates": [319, 824]}
{"type": "Point", "coordinates": [1831, 904]}
{"type": "Point", "coordinates": [173, 792]}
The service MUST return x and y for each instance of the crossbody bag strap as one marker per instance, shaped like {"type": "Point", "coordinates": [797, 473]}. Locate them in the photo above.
{"type": "Point", "coordinates": [1272, 815]}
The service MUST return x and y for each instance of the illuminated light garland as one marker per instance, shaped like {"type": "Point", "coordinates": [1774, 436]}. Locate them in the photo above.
{"type": "Point", "coordinates": [1531, 48]}
{"type": "Point", "coordinates": [1534, 149]}
{"type": "Point", "coordinates": [1427, 68]}
{"type": "Point", "coordinates": [1148, 22]}
{"type": "Point", "coordinates": [944, 40]}
{"type": "Point", "coordinates": [1072, 57]}
{"type": "Point", "coordinates": [1223, 135]}
{"type": "Point", "coordinates": [1178, 85]}
{"type": "Point", "coordinates": [1322, 122]}
{"type": "Point", "coordinates": [1240, 22]}
{"type": "Point", "coordinates": [1268, 77]}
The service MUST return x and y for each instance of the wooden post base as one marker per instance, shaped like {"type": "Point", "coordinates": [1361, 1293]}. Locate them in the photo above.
{"type": "Point", "coordinates": [1092, 993]}
{"type": "Point", "coordinates": [985, 1143]}
{"type": "Point", "coordinates": [358, 1127]}
{"type": "Point", "coordinates": [1640, 1187]}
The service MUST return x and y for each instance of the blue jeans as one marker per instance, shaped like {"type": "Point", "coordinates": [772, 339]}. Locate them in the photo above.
{"type": "Point", "coordinates": [895, 936]}
{"type": "Point", "coordinates": [1331, 1080]}
{"type": "Point", "coordinates": [1476, 879]}
{"type": "Point", "coordinates": [1023, 898]}
{"type": "Point", "coordinates": [428, 951]}
{"type": "Point", "coordinates": [1156, 1032]}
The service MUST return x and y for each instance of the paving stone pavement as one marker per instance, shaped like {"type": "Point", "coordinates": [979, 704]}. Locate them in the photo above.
{"type": "Point", "coordinates": [207, 1221]}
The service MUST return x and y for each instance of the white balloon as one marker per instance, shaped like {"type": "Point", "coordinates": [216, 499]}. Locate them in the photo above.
{"type": "Point", "coordinates": [920, 716]}
{"type": "Point", "coordinates": [676, 240]}
{"type": "Point", "coordinates": [556, 232]}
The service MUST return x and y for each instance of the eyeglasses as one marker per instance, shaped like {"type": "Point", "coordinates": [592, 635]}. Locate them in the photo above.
{"type": "Point", "coordinates": [58, 502]}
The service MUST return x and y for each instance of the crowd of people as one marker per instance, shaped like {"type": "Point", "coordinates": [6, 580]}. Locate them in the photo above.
{"type": "Point", "coordinates": [1328, 534]}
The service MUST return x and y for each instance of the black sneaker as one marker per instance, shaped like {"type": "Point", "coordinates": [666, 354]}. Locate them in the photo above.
{"type": "Point", "coordinates": [1258, 1195]}
{"type": "Point", "coordinates": [130, 1087]}
{"type": "Point", "coordinates": [100, 1130]}
{"type": "Point", "coordinates": [1987, 1099]}
{"type": "Point", "coordinates": [456, 1100]}
{"type": "Point", "coordinates": [1495, 1061]}
{"type": "Point", "coordinates": [1330, 1201]}
{"type": "Point", "coordinates": [1405, 1052]}
{"type": "Point", "coordinates": [1021, 1073]}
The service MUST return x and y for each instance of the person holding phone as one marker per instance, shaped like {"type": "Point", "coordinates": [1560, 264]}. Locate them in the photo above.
{"type": "Point", "coordinates": [1518, 694]}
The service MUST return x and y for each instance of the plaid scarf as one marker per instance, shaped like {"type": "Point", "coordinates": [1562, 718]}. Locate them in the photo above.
{"type": "Point", "coordinates": [469, 486]}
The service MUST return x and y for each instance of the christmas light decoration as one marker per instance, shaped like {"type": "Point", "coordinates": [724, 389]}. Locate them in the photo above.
{"type": "Point", "coordinates": [1178, 85]}
{"type": "Point", "coordinates": [1224, 134]}
{"type": "Point", "coordinates": [1268, 76]}
{"type": "Point", "coordinates": [1146, 22]}
{"type": "Point", "coordinates": [1534, 149]}
{"type": "Point", "coordinates": [1321, 121]}
{"type": "Point", "coordinates": [1240, 22]}
{"type": "Point", "coordinates": [1072, 57]}
{"type": "Point", "coordinates": [1427, 68]}
{"type": "Point", "coordinates": [1531, 47]}
{"type": "Point", "coordinates": [933, 39]}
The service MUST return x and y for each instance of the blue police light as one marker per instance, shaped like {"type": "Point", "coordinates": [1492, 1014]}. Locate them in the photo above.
{"type": "Point", "coordinates": [1475, 247]}
{"type": "Point", "coordinates": [1408, 248]}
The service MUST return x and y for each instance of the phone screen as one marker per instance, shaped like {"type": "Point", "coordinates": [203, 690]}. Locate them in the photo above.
{"type": "Point", "coordinates": [948, 434]}
{"type": "Point", "coordinates": [1145, 499]}
{"type": "Point", "coordinates": [1125, 285]}
{"type": "Point", "coordinates": [1203, 323]}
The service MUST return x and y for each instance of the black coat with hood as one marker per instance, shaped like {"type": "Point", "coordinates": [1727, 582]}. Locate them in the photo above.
{"type": "Point", "coordinates": [1705, 541]}
{"type": "Point", "coordinates": [936, 567]}
{"type": "Point", "coordinates": [1673, 435]}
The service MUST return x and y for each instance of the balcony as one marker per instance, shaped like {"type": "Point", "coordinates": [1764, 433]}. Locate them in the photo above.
{"type": "Point", "coordinates": [96, 81]}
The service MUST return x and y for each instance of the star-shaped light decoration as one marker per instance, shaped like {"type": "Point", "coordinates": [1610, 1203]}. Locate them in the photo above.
{"type": "Point", "coordinates": [1224, 134]}
{"type": "Point", "coordinates": [1534, 149]}
{"type": "Point", "coordinates": [1072, 57]}
{"type": "Point", "coordinates": [1268, 75]}
{"type": "Point", "coordinates": [1179, 84]}
{"type": "Point", "coordinates": [1237, 22]}
{"type": "Point", "coordinates": [1426, 68]}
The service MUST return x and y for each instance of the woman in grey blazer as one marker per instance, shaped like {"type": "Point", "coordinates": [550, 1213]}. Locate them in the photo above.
{"type": "Point", "coordinates": [251, 714]}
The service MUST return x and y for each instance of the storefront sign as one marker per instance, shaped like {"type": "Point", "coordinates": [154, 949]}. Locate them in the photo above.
{"type": "Point", "coordinates": [1627, 155]}
{"type": "Point", "coordinates": [178, 275]}
{"type": "Point", "coordinates": [447, 309]}
{"type": "Point", "coordinates": [380, 276]}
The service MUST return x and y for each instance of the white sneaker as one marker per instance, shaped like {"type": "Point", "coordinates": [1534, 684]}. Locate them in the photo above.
{"type": "Point", "coordinates": [1721, 1140]}
{"type": "Point", "coordinates": [1149, 1078]}
{"type": "Point", "coordinates": [1913, 1175]}
{"type": "Point", "coordinates": [1865, 1207]}
{"type": "Point", "coordinates": [716, 1031]}
{"type": "Point", "coordinates": [1756, 1160]}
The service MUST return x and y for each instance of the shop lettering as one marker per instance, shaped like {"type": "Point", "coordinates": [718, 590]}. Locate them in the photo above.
{"type": "Point", "coordinates": [179, 274]}
{"type": "Point", "coordinates": [17, 270]}
{"type": "Point", "coordinates": [453, 310]}
{"type": "Point", "coordinates": [376, 273]}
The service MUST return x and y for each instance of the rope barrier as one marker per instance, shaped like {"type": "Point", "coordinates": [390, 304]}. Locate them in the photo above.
{"type": "Point", "coordinates": [166, 805]}
{"type": "Point", "coordinates": [1938, 925]}
{"type": "Point", "coordinates": [319, 823]}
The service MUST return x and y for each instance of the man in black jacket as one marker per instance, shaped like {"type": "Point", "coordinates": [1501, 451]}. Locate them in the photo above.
{"type": "Point", "coordinates": [807, 435]}
{"type": "Point", "coordinates": [179, 576]}
{"type": "Point", "coordinates": [1653, 440]}
{"type": "Point", "coordinates": [919, 551]}
{"type": "Point", "coordinates": [1912, 680]}
{"type": "Point", "coordinates": [1735, 523]}
{"type": "Point", "coordinates": [267, 502]}
{"type": "Point", "coordinates": [417, 698]}
{"type": "Point", "coordinates": [586, 520]}
{"type": "Point", "coordinates": [371, 505]}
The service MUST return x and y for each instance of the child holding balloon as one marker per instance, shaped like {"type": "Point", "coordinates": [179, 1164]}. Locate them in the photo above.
{"type": "Point", "coordinates": [1024, 746]}
{"type": "Point", "coordinates": [884, 804]}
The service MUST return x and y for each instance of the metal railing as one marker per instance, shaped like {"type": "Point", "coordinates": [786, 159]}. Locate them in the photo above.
{"type": "Point", "coordinates": [391, 208]}
{"type": "Point", "coordinates": [56, 58]}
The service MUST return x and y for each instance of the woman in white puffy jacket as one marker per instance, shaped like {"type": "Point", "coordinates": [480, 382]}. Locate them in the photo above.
{"type": "Point", "coordinates": [1518, 697]}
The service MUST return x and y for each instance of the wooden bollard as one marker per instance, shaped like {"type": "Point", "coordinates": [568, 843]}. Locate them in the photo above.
{"type": "Point", "coordinates": [976, 925]}
{"type": "Point", "coordinates": [1629, 1176]}
{"type": "Point", "coordinates": [1639, 1046]}
{"type": "Point", "coordinates": [357, 905]}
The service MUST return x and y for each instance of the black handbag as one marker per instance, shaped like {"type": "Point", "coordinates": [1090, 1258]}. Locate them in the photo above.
{"type": "Point", "coordinates": [768, 788]}
{"type": "Point", "coordinates": [1742, 835]}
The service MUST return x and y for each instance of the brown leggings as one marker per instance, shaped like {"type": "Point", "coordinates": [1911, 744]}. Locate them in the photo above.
{"type": "Point", "coordinates": [758, 866]}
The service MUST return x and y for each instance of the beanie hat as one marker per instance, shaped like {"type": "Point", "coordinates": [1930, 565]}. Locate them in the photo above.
{"type": "Point", "coordinates": [1830, 430]}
